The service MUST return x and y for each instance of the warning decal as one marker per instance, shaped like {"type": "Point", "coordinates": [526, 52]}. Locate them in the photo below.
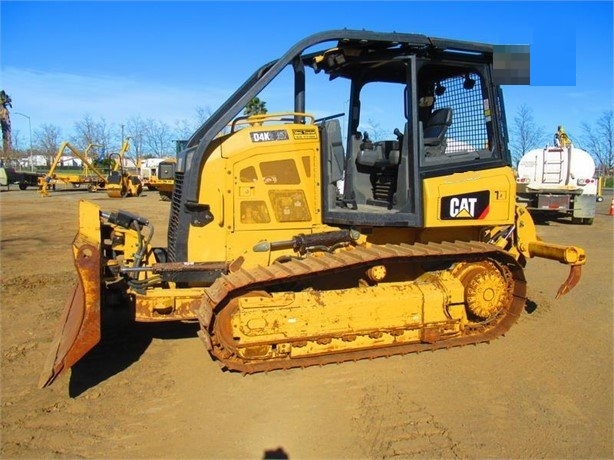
{"type": "Point", "coordinates": [304, 133]}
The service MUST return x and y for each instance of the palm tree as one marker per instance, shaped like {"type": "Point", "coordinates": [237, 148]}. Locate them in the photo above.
{"type": "Point", "coordinates": [5, 120]}
{"type": "Point", "coordinates": [255, 107]}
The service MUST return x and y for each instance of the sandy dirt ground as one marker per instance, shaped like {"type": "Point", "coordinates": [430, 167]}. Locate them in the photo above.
{"type": "Point", "coordinates": [542, 391]}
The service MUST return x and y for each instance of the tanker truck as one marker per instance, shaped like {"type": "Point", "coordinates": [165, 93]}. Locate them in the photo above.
{"type": "Point", "coordinates": [558, 180]}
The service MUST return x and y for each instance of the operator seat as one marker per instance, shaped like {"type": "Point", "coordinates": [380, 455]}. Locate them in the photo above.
{"type": "Point", "coordinates": [381, 161]}
{"type": "Point", "coordinates": [435, 132]}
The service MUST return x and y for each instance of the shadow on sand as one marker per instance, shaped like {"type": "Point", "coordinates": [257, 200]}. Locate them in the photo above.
{"type": "Point", "coordinates": [122, 344]}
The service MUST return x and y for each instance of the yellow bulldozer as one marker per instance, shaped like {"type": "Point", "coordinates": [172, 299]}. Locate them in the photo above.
{"type": "Point", "coordinates": [294, 242]}
{"type": "Point", "coordinates": [164, 179]}
{"type": "Point", "coordinates": [120, 183]}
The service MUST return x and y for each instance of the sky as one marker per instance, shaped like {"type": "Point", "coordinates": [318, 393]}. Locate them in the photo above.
{"type": "Point", "coordinates": [114, 60]}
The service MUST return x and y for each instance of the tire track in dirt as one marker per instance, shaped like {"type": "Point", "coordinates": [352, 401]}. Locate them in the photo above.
{"type": "Point", "coordinates": [396, 426]}
{"type": "Point", "coordinates": [548, 383]}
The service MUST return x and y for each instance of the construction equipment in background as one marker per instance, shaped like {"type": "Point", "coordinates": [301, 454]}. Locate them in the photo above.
{"type": "Point", "coordinates": [147, 168]}
{"type": "Point", "coordinates": [120, 182]}
{"type": "Point", "coordinates": [23, 179]}
{"type": "Point", "coordinates": [90, 176]}
{"type": "Point", "coordinates": [559, 181]}
{"type": "Point", "coordinates": [164, 179]}
{"type": "Point", "coordinates": [294, 248]}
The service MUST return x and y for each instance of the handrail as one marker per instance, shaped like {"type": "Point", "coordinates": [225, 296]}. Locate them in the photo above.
{"type": "Point", "coordinates": [261, 118]}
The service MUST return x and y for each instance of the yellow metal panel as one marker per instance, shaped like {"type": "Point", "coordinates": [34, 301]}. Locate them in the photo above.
{"type": "Point", "coordinates": [167, 304]}
{"type": "Point", "coordinates": [470, 198]}
{"type": "Point", "coordinates": [315, 322]}
{"type": "Point", "coordinates": [311, 314]}
{"type": "Point", "coordinates": [255, 166]}
{"type": "Point", "coordinates": [282, 185]}
{"type": "Point", "coordinates": [89, 221]}
{"type": "Point", "coordinates": [208, 243]}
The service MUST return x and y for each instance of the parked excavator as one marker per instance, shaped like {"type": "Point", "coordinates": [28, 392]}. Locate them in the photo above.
{"type": "Point", "coordinates": [120, 183]}
{"type": "Point", "coordinates": [296, 243]}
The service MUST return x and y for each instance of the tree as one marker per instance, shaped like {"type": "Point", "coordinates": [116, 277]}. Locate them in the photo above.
{"type": "Point", "coordinates": [16, 140]}
{"type": "Point", "coordinates": [88, 131]}
{"type": "Point", "coordinates": [202, 114]}
{"type": "Point", "coordinates": [137, 130]}
{"type": "Point", "coordinates": [158, 138]}
{"type": "Point", "coordinates": [5, 121]}
{"type": "Point", "coordinates": [599, 141]}
{"type": "Point", "coordinates": [525, 134]}
{"type": "Point", "coordinates": [185, 128]}
{"type": "Point", "coordinates": [48, 139]}
{"type": "Point", "coordinates": [255, 107]}
{"type": "Point", "coordinates": [19, 147]}
{"type": "Point", "coordinates": [374, 130]}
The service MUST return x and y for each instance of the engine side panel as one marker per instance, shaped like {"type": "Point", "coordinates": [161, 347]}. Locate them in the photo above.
{"type": "Point", "coordinates": [473, 198]}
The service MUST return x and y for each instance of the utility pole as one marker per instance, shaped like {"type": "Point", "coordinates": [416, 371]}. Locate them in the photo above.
{"type": "Point", "coordinates": [30, 131]}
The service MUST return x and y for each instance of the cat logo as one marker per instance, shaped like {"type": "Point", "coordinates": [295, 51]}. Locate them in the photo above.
{"type": "Point", "coordinates": [467, 206]}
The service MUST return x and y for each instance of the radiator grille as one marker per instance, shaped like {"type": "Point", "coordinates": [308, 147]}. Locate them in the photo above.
{"type": "Point", "coordinates": [173, 223]}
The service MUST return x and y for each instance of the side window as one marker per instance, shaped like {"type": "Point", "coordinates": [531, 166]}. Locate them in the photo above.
{"type": "Point", "coordinates": [455, 112]}
{"type": "Point", "coordinates": [382, 110]}
{"type": "Point", "coordinates": [470, 113]}
{"type": "Point", "coordinates": [377, 147]}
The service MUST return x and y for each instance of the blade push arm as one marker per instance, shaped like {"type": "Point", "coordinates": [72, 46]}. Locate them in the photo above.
{"type": "Point", "coordinates": [529, 245]}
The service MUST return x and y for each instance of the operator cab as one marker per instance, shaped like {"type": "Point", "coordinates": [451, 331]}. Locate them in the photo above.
{"type": "Point", "coordinates": [414, 108]}
{"type": "Point", "coordinates": [444, 107]}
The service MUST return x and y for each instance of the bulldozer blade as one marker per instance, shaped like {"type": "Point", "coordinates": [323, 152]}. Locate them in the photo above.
{"type": "Point", "coordinates": [79, 328]}
{"type": "Point", "coordinates": [575, 272]}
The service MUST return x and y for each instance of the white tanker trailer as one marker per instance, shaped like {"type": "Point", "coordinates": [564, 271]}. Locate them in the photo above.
{"type": "Point", "coordinates": [558, 180]}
